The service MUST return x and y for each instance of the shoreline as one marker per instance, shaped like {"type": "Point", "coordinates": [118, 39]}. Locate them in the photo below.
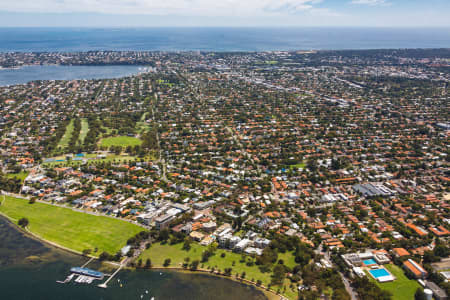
{"type": "Point", "coordinates": [75, 65]}
{"type": "Point", "coordinates": [270, 294]}
{"type": "Point", "coordinates": [37, 237]}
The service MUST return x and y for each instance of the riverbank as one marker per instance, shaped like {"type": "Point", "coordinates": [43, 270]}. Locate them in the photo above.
{"type": "Point", "coordinates": [271, 295]}
{"type": "Point", "coordinates": [221, 260]}
{"type": "Point", "coordinates": [52, 225]}
{"type": "Point", "coordinates": [28, 73]}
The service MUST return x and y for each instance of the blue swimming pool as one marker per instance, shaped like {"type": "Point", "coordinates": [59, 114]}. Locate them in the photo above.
{"type": "Point", "coordinates": [379, 273]}
{"type": "Point", "coordinates": [369, 262]}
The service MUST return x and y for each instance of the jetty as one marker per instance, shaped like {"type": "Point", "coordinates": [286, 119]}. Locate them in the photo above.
{"type": "Point", "coordinates": [105, 284]}
{"type": "Point", "coordinates": [84, 275]}
{"type": "Point", "coordinates": [88, 262]}
{"type": "Point", "coordinates": [67, 280]}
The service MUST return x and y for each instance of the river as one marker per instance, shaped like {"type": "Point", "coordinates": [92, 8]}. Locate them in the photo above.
{"type": "Point", "coordinates": [53, 72]}
{"type": "Point", "coordinates": [29, 270]}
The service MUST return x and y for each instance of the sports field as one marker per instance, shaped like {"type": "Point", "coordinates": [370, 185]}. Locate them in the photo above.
{"type": "Point", "coordinates": [122, 141]}
{"type": "Point", "coordinates": [68, 228]}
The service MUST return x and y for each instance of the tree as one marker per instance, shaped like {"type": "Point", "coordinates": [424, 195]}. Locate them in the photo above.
{"type": "Point", "coordinates": [164, 235]}
{"type": "Point", "coordinates": [279, 272]}
{"type": "Point", "coordinates": [419, 295]}
{"type": "Point", "coordinates": [104, 256]}
{"type": "Point", "coordinates": [86, 252]}
{"type": "Point", "coordinates": [148, 263]}
{"type": "Point", "coordinates": [441, 250]}
{"type": "Point", "coordinates": [187, 244]}
{"type": "Point", "coordinates": [23, 222]}
{"type": "Point", "coordinates": [167, 262]}
{"type": "Point", "coordinates": [194, 264]}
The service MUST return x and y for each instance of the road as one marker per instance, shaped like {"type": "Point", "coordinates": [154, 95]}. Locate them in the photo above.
{"type": "Point", "coordinates": [161, 158]}
{"type": "Point", "coordinates": [348, 287]}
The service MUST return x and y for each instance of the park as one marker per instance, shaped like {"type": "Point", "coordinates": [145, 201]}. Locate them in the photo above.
{"type": "Point", "coordinates": [70, 229]}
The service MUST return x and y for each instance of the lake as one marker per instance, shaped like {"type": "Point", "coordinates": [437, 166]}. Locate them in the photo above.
{"type": "Point", "coordinates": [50, 72]}
{"type": "Point", "coordinates": [29, 270]}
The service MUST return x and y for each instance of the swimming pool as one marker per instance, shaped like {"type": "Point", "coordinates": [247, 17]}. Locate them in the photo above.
{"type": "Point", "coordinates": [379, 273]}
{"type": "Point", "coordinates": [369, 262]}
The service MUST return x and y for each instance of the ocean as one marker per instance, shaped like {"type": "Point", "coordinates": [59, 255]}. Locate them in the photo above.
{"type": "Point", "coordinates": [218, 39]}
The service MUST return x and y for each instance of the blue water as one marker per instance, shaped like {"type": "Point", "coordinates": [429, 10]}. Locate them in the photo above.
{"type": "Point", "coordinates": [369, 262]}
{"type": "Point", "coordinates": [379, 273]}
{"type": "Point", "coordinates": [218, 39]}
{"type": "Point", "coordinates": [30, 73]}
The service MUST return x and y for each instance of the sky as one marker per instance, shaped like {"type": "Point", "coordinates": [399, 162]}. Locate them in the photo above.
{"type": "Point", "coordinates": [154, 13]}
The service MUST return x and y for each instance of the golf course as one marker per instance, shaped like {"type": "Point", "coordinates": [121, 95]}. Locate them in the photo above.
{"type": "Point", "coordinates": [70, 229]}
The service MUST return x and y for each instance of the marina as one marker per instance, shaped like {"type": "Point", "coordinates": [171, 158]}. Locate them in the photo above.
{"type": "Point", "coordinates": [85, 275]}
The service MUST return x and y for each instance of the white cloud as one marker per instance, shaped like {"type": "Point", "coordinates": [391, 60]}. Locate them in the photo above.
{"type": "Point", "coordinates": [163, 7]}
{"type": "Point", "coordinates": [371, 2]}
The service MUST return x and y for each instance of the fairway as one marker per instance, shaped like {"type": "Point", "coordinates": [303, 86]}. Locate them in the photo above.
{"type": "Point", "coordinates": [122, 141]}
{"type": "Point", "coordinates": [402, 288]}
{"type": "Point", "coordinates": [84, 130]}
{"type": "Point", "coordinates": [64, 142]}
{"type": "Point", "coordinates": [70, 229]}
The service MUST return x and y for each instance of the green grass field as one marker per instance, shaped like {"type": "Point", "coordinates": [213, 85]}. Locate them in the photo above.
{"type": "Point", "coordinates": [300, 165]}
{"type": "Point", "coordinates": [22, 175]}
{"type": "Point", "coordinates": [109, 158]}
{"type": "Point", "coordinates": [158, 253]}
{"type": "Point", "coordinates": [123, 141]}
{"type": "Point", "coordinates": [402, 288]}
{"type": "Point", "coordinates": [84, 130]}
{"type": "Point", "coordinates": [70, 229]}
{"type": "Point", "coordinates": [64, 142]}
